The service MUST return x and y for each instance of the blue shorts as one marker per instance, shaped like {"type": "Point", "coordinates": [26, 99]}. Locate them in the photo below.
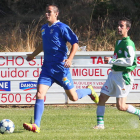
{"type": "Point", "coordinates": [63, 79]}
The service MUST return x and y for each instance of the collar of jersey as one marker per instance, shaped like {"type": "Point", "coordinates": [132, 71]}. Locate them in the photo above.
{"type": "Point", "coordinates": [124, 38]}
{"type": "Point", "coordinates": [54, 23]}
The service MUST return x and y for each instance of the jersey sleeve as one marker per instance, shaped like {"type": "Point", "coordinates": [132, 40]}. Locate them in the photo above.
{"type": "Point", "coordinates": [129, 53]}
{"type": "Point", "coordinates": [69, 35]}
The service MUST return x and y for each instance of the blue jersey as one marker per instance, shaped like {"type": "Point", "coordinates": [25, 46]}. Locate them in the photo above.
{"type": "Point", "coordinates": [55, 50]}
{"type": "Point", "coordinates": [55, 38]}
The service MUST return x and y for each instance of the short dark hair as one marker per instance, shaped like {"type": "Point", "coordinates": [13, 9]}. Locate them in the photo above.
{"type": "Point", "coordinates": [128, 21]}
{"type": "Point", "coordinates": [55, 7]}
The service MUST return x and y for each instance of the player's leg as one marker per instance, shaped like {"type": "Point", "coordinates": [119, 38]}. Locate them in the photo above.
{"type": "Point", "coordinates": [73, 94]}
{"type": "Point", "coordinates": [44, 82]}
{"type": "Point", "coordinates": [106, 91]}
{"type": "Point", "coordinates": [133, 110]}
{"type": "Point", "coordinates": [122, 106]}
{"type": "Point", "coordinates": [100, 111]}
{"type": "Point", "coordinates": [38, 109]}
{"type": "Point", "coordinates": [123, 90]}
{"type": "Point", "coordinates": [39, 105]}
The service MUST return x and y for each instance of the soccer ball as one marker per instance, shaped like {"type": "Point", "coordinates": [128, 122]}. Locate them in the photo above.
{"type": "Point", "coordinates": [6, 126]}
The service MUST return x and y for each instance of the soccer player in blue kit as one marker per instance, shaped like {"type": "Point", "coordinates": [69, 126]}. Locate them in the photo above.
{"type": "Point", "coordinates": [55, 68]}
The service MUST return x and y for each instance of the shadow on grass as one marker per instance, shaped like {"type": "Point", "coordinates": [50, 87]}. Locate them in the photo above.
{"type": "Point", "coordinates": [18, 131]}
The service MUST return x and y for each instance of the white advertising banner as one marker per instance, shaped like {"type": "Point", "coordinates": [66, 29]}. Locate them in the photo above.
{"type": "Point", "coordinates": [18, 78]}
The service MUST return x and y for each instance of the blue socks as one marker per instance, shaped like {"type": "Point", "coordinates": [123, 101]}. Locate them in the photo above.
{"type": "Point", "coordinates": [83, 92]}
{"type": "Point", "coordinates": [38, 111]}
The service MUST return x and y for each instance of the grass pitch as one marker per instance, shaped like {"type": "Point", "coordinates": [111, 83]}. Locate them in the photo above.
{"type": "Point", "coordinates": [72, 123]}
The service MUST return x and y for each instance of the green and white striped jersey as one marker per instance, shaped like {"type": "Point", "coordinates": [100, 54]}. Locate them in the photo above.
{"type": "Point", "coordinates": [124, 58]}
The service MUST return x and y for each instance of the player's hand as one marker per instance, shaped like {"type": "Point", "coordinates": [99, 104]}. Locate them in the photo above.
{"type": "Point", "coordinates": [29, 57]}
{"type": "Point", "coordinates": [106, 59]}
{"type": "Point", "coordinates": [67, 63]}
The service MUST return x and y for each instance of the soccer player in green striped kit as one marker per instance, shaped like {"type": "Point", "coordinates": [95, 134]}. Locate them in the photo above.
{"type": "Point", "coordinates": [119, 81]}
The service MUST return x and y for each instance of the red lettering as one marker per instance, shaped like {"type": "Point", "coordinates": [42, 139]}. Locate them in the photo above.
{"type": "Point", "coordinates": [91, 72]}
{"type": "Point", "coordinates": [11, 99]}
{"type": "Point", "coordinates": [93, 59]}
{"type": "Point", "coordinates": [135, 86]}
{"type": "Point", "coordinates": [100, 60]}
{"type": "Point", "coordinates": [14, 73]}
{"type": "Point", "coordinates": [3, 62]}
{"type": "Point", "coordinates": [44, 98]}
{"type": "Point", "coordinates": [41, 60]}
{"type": "Point", "coordinates": [34, 63]}
{"type": "Point", "coordinates": [18, 96]}
{"type": "Point", "coordinates": [36, 73]}
{"type": "Point", "coordinates": [84, 72]}
{"type": "Point", "coordinates": [20, 73]}
{"type": "Point", "coordinates": [87, 72]}
{"type": "Point", "coordinates": [96, 72]}
{"type": "Point", "coordinates": [84, 87]}
{"type": "Point", "coordinates": [22, 61]}
{"type": "Point", "coordinates": [138, 60]}
{"type": "Point", "coordinates": [26, 71]}
{"type": "Point", "coordinates": [34, 98]}
{"type": "Point", "coordinates": [101, 73]}
{"type": "Point", "coordinates": [74, 72]}
{"type": "Point", "coordinates": [108, 71]}
{"type": "Point", "coordinates": [28, 98]}
{"type": "Point", "coordinates": [7, 60]}
{"type": "Point", "coordinates": [3, 97]}
{"type": "Point", "coordinates": [133, 72]}
{"type": "Point", "coordinates": [138, 72]}
{"type": "Point", "coordinates": [3, 75]}
{"type": "Point", "coordinates": [8, 73]}
{"type": "Point", "coordinates": [79, 72]}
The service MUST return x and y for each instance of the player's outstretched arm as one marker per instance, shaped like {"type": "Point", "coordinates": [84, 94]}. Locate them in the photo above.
{"type": "Point", "coordinates": [127, 61]}
{"type": "Point", "coordinates": [35, 53]}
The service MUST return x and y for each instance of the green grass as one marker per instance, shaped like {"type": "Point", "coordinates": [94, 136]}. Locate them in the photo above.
{"type": "Point", "coordinates": [72, 123]}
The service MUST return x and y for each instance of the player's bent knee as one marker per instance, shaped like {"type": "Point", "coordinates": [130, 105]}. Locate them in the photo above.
{"type": "Point", "coordinates": [73, 98]}
{"type": "Point", "coordinates": [121, 108]}
{"type": "Point", "coordinates": [39, 95]}
{"type": "Point", "coordinates": [102, 99]}
{"type": "Point", "coordinates": [72, 94]}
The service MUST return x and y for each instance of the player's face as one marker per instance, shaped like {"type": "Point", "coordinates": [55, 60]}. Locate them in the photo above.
{"type": "Point", "coordinates": [51, 15]}
{"type": "Point", "coordinates": [122, 28]}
